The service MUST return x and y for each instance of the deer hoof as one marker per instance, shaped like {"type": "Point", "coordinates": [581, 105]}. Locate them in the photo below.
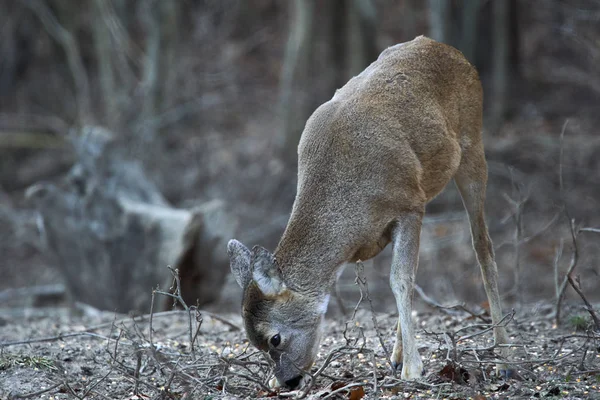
{"type": "Point", "coordinates": [396, 366]}
{"type": "Point", "coordinates": [274, 383]}
{"type": "Point", "coordinates": [412, 371]}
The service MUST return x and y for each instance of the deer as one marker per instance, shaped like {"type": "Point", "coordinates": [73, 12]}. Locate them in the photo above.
{"type": "Point", "coordinates": [369, 160]}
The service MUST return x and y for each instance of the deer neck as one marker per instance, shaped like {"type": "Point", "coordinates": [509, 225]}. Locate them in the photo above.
{"type": "Point", "coordinates": [310, 255]}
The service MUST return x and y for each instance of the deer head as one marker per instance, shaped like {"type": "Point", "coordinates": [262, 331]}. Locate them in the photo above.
{"type": "Point", "coordinates": [278, 320]}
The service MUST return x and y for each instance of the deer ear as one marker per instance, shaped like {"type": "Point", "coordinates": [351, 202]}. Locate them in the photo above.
{"type": "Point", "coordinates": [239, 258]}
{"type": "Point", "coordinates": [265, 272]}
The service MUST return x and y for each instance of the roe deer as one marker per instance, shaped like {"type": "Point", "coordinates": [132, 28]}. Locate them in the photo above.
{"type": "Point", "coordinates": [369, 160]}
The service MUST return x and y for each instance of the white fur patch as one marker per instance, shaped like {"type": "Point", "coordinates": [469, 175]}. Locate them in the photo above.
{"type": "Point", "coordinates": [274, 383]}
{"type": "Point", "coordinates": [268, 285]}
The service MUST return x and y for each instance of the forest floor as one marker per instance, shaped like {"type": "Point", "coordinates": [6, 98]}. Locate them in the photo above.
{"type": "Point", "coordinates": [101, 355]}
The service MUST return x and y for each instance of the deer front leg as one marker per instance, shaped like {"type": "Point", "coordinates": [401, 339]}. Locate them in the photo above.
{"type": "Point", "coordinates": [402, 277]}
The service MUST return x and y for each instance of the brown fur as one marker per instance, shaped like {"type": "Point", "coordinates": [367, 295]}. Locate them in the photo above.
{"type": "Point", "coordinates": [369, 160]}
{"type": "Point", "coordinates": [386, 143]}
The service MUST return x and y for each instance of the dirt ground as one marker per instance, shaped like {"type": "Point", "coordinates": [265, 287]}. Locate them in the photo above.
{"type": "Point", "coordinates": [100, 355]}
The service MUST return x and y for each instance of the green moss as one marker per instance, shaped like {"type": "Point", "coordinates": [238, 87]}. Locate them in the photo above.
{"type": "Point", "coordinates": [579, 323]}
{"type": "Point", "coordinates": [18, 360]}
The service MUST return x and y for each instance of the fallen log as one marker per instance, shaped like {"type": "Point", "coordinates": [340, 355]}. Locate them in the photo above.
{"type": "Point", "coordinates": [111, 234]}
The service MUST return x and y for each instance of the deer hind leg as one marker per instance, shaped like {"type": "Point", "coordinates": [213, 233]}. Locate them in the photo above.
{"type": "Point", "coordinates": [405, 237]}
{"type": "Point", "coordinates": [471, 180]}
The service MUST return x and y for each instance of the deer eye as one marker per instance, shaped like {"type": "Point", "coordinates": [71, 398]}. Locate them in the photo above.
{"type": "Point", "coordinates": [275, 340]}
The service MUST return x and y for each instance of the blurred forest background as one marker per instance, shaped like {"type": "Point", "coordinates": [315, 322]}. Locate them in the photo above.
{"type": "Point", "coordinates": [140, 134]}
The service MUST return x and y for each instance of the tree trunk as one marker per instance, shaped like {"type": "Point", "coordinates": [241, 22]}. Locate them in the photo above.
{"type": "Point", "coordinates": [439, 20]}
{"type": "Point", "coordinates": [294, 92]}
{"type": "Point", "coordinates": [112, 234]}
{"type": "Point", "coordinates": [336, 39]}
{"type": "Point", "coordinates": [500, 71]}
{"type": "Point", "coordinates": [515, 41]}
{"type": "Point", "coordinates": [469, 24]}
{"type": "Point", "coordinates": [169, 21]}
{"type": "Point", "coordinates": [410, 10]}
{"type": "Point", "coordinates": [103, 45]}
{"type": "Point", "coordinates": [151, 68]}
{"type": "Point", "coordinates": [68, 42]}
{"type": "Point", "coordinates": [362, 20]}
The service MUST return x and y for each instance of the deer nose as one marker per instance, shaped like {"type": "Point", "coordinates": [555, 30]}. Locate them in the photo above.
{"type": "Point", "coordinates": [294, 382]}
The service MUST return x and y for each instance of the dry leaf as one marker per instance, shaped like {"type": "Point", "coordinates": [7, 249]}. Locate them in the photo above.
{"type": "Point", "coordinates": [263, 393]}
{"type": "Point", "coordinates": [357, 393]}
{"type": "Point", "coordinates": [486, 306]}
{"type": "Point", "coordinates": [452, 373]}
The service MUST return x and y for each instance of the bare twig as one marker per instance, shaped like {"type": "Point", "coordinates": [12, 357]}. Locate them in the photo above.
{"type": "Point", "coordinates": [575, 254]}
{"type": "Point", "coordinates": [177, 297]}
{"type": "Point", "coordinates": [361, 281]}
{"type": "Point", "coordinates": [342, 389]}
{"type": "Point", "coordinates": [574, 233]}
{"type": "Point", "coordinates": [151, 318]}
{"type": "Point", "coordinates": [519, 205]}
{"type": "Point", "coordinates": [89, 389]}
{"type": "Point", "coordinates": [487, 327]}
{"type": "Point", "coordinates": [543, 229]}
{"type": "Point", "coordinates": [451, 353]}
{"type": "Point", "coordinates": [537, 361]}
{"type": "Point", "coordinates": [66, 384]}
{"type": "Point", "coordinates": [138, 368]}
{"type": "Point", "coordinates": [591, 372]}
{"type": "Point", "coordinates": [557, 257]}
{"type": "Point", "coordinates": [450, 310]}
{"type": "Point", "coordinates": [589, 308]}
{"type": "Point", "coordinates": [199, 321]}
{"type": "Point", "coordinates": [582, 362]}
{"type": "Point", "coordinates": [33, 394]}
{"type": "Point", "coordinates": [223, 320]}
{"type": "Point", "coordinates": [54, 338]}
{"type": "Point", "coordinates": [595, 230]}
{"type": "Point", "coordinates": [373, 361]}
{"type": "Point", "coordinates": [163, 314]}
{"type": "Point", "coordinates": [106, 325]}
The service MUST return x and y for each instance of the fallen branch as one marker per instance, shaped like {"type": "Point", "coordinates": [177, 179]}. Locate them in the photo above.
{"type": "Point", "coordinates": [448, 309]}
{"type": "Point", "coordinates": [343, 388]}
{"type": "Point", "coordinates": [33, 291]}
{"type": "Point", "coordinates": [33, 394]}
{"type": "Point", "coordinates": [146, 317]}
{"type": "Point", "coordinates": [54, 338]}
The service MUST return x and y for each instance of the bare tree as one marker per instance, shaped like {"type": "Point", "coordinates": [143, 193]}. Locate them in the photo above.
{"type": "Point", "coordinates": [501, 45]}
{"type": "Point", "coordinates": [70, 46]}
{"type": "Point", "coordinates": [103, 45]}
{"type": "Point", "coordinates": [410, 10]}
{"type": "Point", "coordinates": [150, 79]}
{"type": "Point", "coordinates": [439, 20]}
{"type": "Point", "coordinates": [362, 19]}
{"type": "Point", "coordinates": [470, 19]}
{"type": "Point", "coordinates": [293, 102]}
{"type": "Point", "coordinates": [350, 45]}
{"type": "Point", "coordinates": [336, 40]}
{"type": "Point", "coordinates": [169, 21]}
